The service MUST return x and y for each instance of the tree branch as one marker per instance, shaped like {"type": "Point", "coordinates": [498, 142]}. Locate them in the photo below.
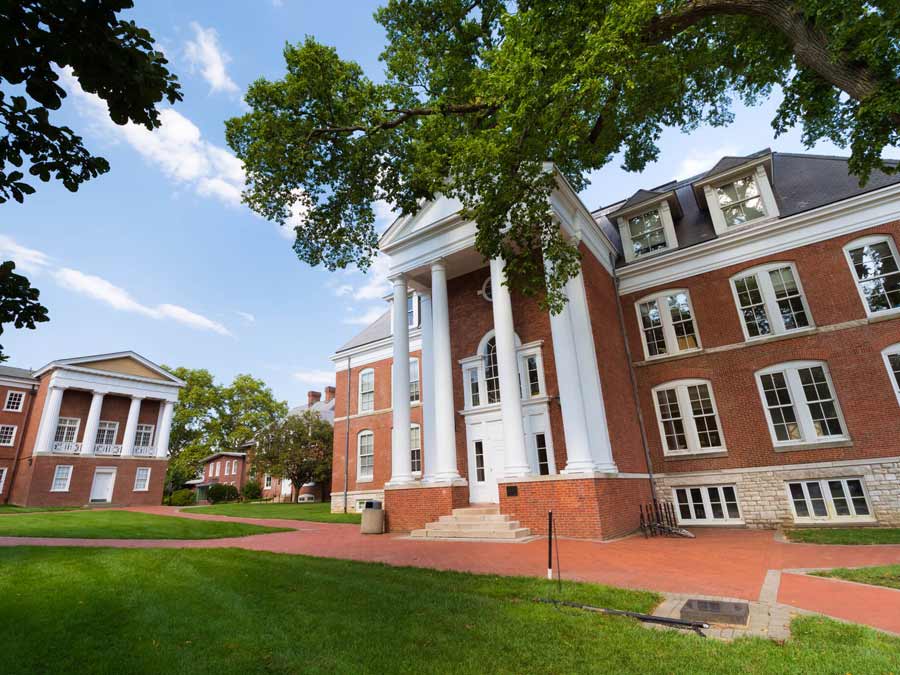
{"type": "Point", "coordinates": [406, 114]}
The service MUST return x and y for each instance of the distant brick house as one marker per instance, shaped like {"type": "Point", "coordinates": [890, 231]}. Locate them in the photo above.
{"type": "Point", "coordinates": [88, 430]}
{"type": "Point", "coordinates": [731, 342]}
{"type": "Point", "coordinates": [236, 468]}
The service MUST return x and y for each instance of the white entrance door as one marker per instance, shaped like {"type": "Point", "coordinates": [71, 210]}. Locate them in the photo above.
{"type": "Point", "coordinates": [102, 487]}
{"type": "Point", "coordinates": [485, 461]}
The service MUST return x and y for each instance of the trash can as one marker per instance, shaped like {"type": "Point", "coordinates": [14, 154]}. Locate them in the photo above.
{"type": "Point", "coordinates": [372, 518]}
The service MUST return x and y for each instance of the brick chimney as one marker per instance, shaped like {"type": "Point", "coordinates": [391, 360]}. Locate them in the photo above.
{"type": "Point", "coordinates": [329, 394]}
{"type": "Point", "coordinates": [312, 398]}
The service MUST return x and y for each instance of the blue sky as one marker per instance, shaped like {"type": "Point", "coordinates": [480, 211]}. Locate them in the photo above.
{"type": "Point", "coordinates": [159, 256]}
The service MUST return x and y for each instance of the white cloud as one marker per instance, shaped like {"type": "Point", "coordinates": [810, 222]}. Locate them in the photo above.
{"type": "Point", "coordinates": [205, 54]}
{"type": "Point", "coordinates": [315, 378]}
{"type": "Point", "coordinates": [177, 147]}
{"type": "Point", "coordinates": [366, 317]}
{"type": "Point", "coordinates": [375, 281]}
{"type": "Point", "coordinates": [246, 316]}
{"type": "Point", "coordinates": [27, 259]}
{"type": "Point", "coordinates": [698, 161]}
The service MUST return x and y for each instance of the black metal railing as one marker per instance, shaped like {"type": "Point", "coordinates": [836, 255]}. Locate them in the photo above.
{"type": "Point", "coordinates": [658, 519]}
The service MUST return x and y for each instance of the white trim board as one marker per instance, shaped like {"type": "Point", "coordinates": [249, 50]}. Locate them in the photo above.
{"type": "Point", "coordinates": [781, 467]}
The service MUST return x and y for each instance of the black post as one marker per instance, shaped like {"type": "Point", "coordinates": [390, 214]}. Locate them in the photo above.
{"type": "Point", "coordinates": [550, 545]}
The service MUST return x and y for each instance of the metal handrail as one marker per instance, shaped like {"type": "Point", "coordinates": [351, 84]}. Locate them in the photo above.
{"type": "Point", "coordinates": [66, 447]}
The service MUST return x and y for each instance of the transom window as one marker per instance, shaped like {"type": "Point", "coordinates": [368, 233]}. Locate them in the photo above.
{"type": "Point", "coordinates": [801, 404]}
{"type": "Point", "coordinates": [892, 361]}
{"type": "Point", "coordinates": [365, 467]}
{"type": "Point", "coordinates": [106, 433]}
{"type": "Point", "coordinates": [62, 475]}
{"type": "Point", "coordinates": [14, 401]}
{"type": "Point", "coordinates": [707, 504]}
{"type": "Point", "coordinates": [415, 388]}
{"type": "Point", "coordinates": [875, 269]}
{"type": "Point", "coordinates": [415, 448]}
{"type": "Point", "coordinates": [367, 391]}
{"type": "Point", "coordinates": [688, 418]}
{"type": "Point", "coordinates": [647, 233]}
{"type": "Point", "coordinates": [66, 430]}
{"type": "Point", "coordinates": [143, 437]}
{"type": "Point", "coordinates": [740, 201]}
{"type": "Point", "coordinates": [142, 479]}
{"type": "Point", "coordinates": [667, 324]}
{"type": "Point", "coordinates": [770, 300]}
{"type": "Point", "coordinates": [7, 434]}
{"type": "Point", "coordinates": [481, 375]}
{"type": "Point", "coordinates": [829, 499]}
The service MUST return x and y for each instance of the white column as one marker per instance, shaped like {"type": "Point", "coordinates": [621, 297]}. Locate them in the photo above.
{"type": "Point", "coordinates": [401, 462]}
{"type": "Point", "coordinates": [442, 389]}
{"type": "Point", "coordinates": [516, 457]}
{"type": "Point", "coordinates": [49, 419]}
{"type": "Point", "coordinates": [89, 438]}
{"type": "Point", "coordinates": [131, 426]}
{"type": "Point", "coordinates": [165, 426]}
{"type": "Point", "coordinates": [426, 377]}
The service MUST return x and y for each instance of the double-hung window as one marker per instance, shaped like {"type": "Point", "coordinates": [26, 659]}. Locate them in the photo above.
{"type": "Point", "coordinates": [800, 402]}
{"type": "Point", "coordinates": [415, 448]}
{"type": "Point", "coordinates": [412, 310]}
{"type": "Point", "coordinates": [770, 300]}
{"type": "Point", "coordinates": [647, 233]}
{"type": "Point", "coordinates": [829, 499]}
{"type": "Point", "coordinates": [365, 466]}
{"type": "Point", "coordinates": [143, 437]}
{"type": "Point", "coordinates": [62, 476]}
{"type": "Point", "coordinates": [367, 391]}
{"type": "Point", "coordinates": [106, 433]}
{"type": "Point", "coordinates": [7, 434]}
{"type": "Point", "coordinates": [740, 200]}
{"type": "Point", "coordinates": [892, 362]}
{"type": "Point", "coordinates": [2, 479]}
{"type": "Point", "coordinates": [14, 401]}
{"type": "Point", "coordinates": [667, 324]}
{"type": "Point", "coordinates": [415, 387]}
{"type": "Point", "coordinates": [142, 479]}
{"type": "Point", "coordinates": [688, 418]}
{"type": "Point", "coordinates": [707, 504]}
{"type": "Point", "coordinates": [268, 482]}
{"type": "Point", "coordinates": [874, 262]}
{"type": "Point", "coordinates": [66, 430]}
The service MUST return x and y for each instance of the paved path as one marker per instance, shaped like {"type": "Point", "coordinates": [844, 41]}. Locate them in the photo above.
{"type": "Point", "coordinates": [720, 563]}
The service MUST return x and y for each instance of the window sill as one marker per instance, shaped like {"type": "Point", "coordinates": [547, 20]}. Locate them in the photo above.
{"type": "Point", "coordinates": [835, 522]}
{"type": "Point", "coordinates": [365, 480]}
{"type": "Point", "coordinates": [885, 315]}
{"type": "Point", "coordinates": [787, 335]}
{"type": "Point", "coordinates": [672, 357]}
{"type": "Point", "coordinates": [820, 445]}
{"type": "Point", "coordinates": [696, 455]}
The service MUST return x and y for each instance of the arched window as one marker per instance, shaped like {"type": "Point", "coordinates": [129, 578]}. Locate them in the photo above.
{"type": "Point", "coordinates": [491, 373]}
{"type": "Point", "coordinates": [365, 463]}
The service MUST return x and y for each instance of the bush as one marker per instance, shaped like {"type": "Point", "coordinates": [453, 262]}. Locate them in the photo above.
{"type": "Point", "coordinates": [182, 498]}
{"type": "Point", "coordinates": [219, 492]}
{"type": "Point", "coordinates": [251, 491]}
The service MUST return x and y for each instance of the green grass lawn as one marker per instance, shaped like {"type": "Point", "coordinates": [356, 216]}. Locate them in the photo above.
{"type": "Point", "coordinates": [121, 525]}
{"type": "Point", "coordinates": [887, 575]}
{"type": "Point", "coordinates": [858, 535]}
{"type": "Point", "coordinates": [10, 509]}
{"type": "Point", "coordinates": [234, 611]}
{"type": "Point", "coordinates": [320, 513]}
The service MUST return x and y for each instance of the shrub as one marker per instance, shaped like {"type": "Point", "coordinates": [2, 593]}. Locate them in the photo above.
{"type": "Point", "coordinates": [251, 490]}
{"type": "Point", "coordinates": [182, 498]}
{"type": "Point", "coordinates": [219, 492]}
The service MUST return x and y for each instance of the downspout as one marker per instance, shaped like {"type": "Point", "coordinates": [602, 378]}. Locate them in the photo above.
{"type": "Point", "coordinates": [15, 466]}
{"type": "Point", "coordinates": [633, 377]}
{"type": "Point", "coordinates": [347, 443]}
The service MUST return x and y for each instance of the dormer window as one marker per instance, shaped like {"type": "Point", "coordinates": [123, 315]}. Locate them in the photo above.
{"type": "Point", "coordinates": [646, 229]}
{"type": "Point", "coordinates": [740, 201]}
{"type": "Point", "coordinates": [647, 233]}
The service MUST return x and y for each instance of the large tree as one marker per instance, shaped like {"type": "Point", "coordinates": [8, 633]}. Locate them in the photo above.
{"type": "Point", "coordinates": [19, 301]}
{"type": "Point", "coordinates": [478, 95]}
{"type": "Point", "coordinates": [210, 417]}
{"type": "Point", "coordinates": [298, 447]}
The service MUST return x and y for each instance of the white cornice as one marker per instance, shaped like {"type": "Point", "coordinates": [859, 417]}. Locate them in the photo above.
{"type": "Point", "coordinates": [826, 222]}
{"type": "Point", "coordinates": [371, 352]}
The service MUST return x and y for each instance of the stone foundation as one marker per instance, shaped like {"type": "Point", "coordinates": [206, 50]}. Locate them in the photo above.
{"type": "Point", "coordinates": [354, 499]}
{"type": "Point", "coordinates": [410, 507]}
{"type": "Point", "coordinates": [762, 495]}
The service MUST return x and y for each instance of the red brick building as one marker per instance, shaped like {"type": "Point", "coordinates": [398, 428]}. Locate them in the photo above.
{"type": "Point", "coordinates": [731, 345]}
{"type": "Point", "coordinates": [88, 430]}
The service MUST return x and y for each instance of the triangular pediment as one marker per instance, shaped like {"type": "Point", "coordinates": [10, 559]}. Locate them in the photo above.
{"type": "Point", "coordinates": [119, 363]}
{"type": "Point", "coordinates": [432, 212]}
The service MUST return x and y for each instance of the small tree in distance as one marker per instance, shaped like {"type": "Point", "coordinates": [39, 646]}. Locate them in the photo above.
{"type": "Point", "coordinates": [298, 447]}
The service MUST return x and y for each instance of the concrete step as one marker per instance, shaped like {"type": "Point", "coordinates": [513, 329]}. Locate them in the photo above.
{"type": "Point", "coordinates": [477, 511]}
{"type": "Point", "coordinates": [479, 525]}
{"type": "Point", "coordinates": [467, 518]}
{"type": "Point", "coordinates": [518, 533]}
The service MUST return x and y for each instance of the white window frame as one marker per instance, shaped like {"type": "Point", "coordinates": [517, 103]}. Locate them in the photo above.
{"type": "Point", "coordinates": [668, 226]}
{"type": "Point", "coordinates": [2, 478]}
{"type": "Point", "coordinates": [267, 482]}
{"type": "Point", "coordinates": [831, 513]}
{"type": "Point", "coordinates": [56, 475]}
{"type": "Point", "coordinates": [770, 302]}
{"type": "Point", "coordinates": [361, 477]}
{"type": "Point", "coordinates": [524, 353]}
{"type": "Point", "coordinates": [799, 403]}
{"type": "Point", "coordinates": [692, 436]}
{"type": "Point", "coordinates": [9, 395]}
{"type": "Point", "coordinates": [886, 353]}
{"type": "Point", "coordinates": [137, 473]}
{"type": "Point", "coordinates": [670, 337]}
{"type": "Point", "coordinates": [414, 298]}
{"type": "Point", "coordinates": [770, 206]}
{"type": "Point", "coordinates": [68, 423]}
{"type": "Point", "coordinates": [12, 438]}
{"type": "Point", "coordinates": [414, 364]}
{"type": "Point", "coordinates": [707, 505]}
{"type": "Point", "coordinates": [143, 429]}
{"type": "Point", "coordinates": [411, 448]}
{"type": "Point", "coordinates": [860, 243]}
{"type": "Point", "coordinates": [476, 363]}
{"type": "Point", "coordinates": [360, 392]}
{"type": "Point", "coordinates": [103, 427]}
{"type": "Point", "coordinates": [218, 468]}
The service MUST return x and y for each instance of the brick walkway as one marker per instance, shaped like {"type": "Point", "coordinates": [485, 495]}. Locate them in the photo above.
{"type": "Point", "coordinates": [719, 563]}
